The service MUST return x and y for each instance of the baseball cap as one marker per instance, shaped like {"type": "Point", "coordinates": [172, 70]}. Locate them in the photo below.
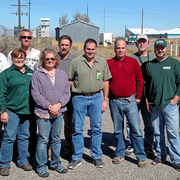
{"type": "Point", "coordinates": [142, 36]}
{"type": "Point", "coordinates": [161, 42]}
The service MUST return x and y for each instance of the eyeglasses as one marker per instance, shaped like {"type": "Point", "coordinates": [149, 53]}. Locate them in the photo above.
{"type": "Point", "coordinates": [17, 59]}
{"type": "Point", "coordinates": [52, 59]}
{"type": "Point", "coordinates": [24, 37]}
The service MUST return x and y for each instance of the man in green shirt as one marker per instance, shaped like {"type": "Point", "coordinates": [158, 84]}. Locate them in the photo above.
{"type": "Point", "coordinates": [162, 92]}
{"type": "Point", "coordinates": [142, 56]}
{"type": "Point", "coordinates": [88, 75]}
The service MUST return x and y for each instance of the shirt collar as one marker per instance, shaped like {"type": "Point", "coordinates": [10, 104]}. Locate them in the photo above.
{"type": "Point", "coordinates": [85, 60]}
{"type": "Point", "coordinates": [116, 60]}
{"type": "Point", "coordinates": [13, 67]}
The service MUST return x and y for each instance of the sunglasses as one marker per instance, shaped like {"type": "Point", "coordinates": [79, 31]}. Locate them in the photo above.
{"type": "Point", "coordinates": [52, 59]}
{"type": "Point", "coordinates": [24, 37]}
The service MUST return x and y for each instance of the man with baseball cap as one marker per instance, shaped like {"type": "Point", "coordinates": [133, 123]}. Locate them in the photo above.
{"type": "Point", "coordinates": [142, 56]}
{"type": "Point", "coordinates": [162, 92]}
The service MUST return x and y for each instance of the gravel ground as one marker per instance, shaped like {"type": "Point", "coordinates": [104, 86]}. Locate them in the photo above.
{"type": "Point", "coordinates": [127, 170]}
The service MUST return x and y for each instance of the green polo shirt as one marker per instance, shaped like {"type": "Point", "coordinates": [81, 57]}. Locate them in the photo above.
{"type": "Point", "coordinates": [15, 90]}
{"type": "Point", "coordinates": [86, 79]}
{"type": "Point", "coordinates": [142, 59]}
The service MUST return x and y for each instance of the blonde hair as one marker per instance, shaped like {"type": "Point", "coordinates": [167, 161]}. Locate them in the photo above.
{"type": "Point", "coordinates": [51, 51]}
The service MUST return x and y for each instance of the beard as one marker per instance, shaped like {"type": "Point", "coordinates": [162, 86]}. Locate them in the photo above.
{"type": "Point", "coordinates": [64, 52]}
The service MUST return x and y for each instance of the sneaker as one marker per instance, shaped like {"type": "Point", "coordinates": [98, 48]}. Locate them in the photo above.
{"type": "Point", "coordinates": [4, 171]}
{"type": "Point", "coordinates": [26, 167]}
{"type": "Point", "coordinates": [117, 160]}
{"type": "Point", "coordinates": [98, 163]}
{"type": "Point", "coordinates": [176, 166]}
{"type": "Point", "coordinates": [129, 150]}
{"type": "Point", "coordinates": [60, 169]}
{"type": "Point", "coordinates": [142, 164]}
{"type": "Point", "coordinates": [158, 161]}
{"type": "Point", "coordinates": [74, 163]}
{"type": "Point", "coordinates": [149, 152]}
{"type": "Point", "coordinates": [43, 174]}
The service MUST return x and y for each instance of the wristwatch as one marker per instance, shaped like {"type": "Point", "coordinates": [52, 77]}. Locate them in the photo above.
{"type": "Point", "coordinates": [106, 99]}
{"type": "Point", "coordinates": [1, 112]}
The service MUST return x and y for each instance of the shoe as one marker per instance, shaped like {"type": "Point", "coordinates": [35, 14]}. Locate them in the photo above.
{"type": "Point", "coordinates": [60, 169]}
{"type": "Point", "coordinates": [158, 161]}
{"type": "Point", "coordinates": [117, 160]}
{"type": "Point", "coordinates": [4, 171]}
{"type": "Point", "coordinates": [129, 150]}
{"type": "Point", "coordinates": [74, 163]}
{"type": "Point", "coordinates": [176, 166]}
{"type": "Point", "coordinates": [26, 167]}
{"type": "Point", "coordinates": [149, 152]}
{"type": "Point", "coordinates": [98, 163]}
{"type": "Point", "coordinates": [142, 164]}
{"type": "Point", "coordinates": [43, 174]}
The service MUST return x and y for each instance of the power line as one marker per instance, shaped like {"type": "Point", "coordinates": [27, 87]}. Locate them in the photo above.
{"type": "Point", "coordinates": [19, 12]}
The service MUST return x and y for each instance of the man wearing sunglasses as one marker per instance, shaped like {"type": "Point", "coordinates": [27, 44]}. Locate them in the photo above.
{"type": "Point", "coordinates": [32, 58]}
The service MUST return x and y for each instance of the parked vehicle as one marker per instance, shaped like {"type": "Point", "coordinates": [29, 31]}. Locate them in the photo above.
{"type": "Point", "coordinates": [105, 38]}
{"type": "Point", "coordinates": [131, 39]}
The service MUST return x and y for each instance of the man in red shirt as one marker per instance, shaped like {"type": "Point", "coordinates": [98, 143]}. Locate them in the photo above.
{"type": "Point", "coordinates": [125, 93]}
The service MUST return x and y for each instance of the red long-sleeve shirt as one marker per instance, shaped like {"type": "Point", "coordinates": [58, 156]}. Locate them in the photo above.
{"type": "Point", "coordinates": [126, 77]}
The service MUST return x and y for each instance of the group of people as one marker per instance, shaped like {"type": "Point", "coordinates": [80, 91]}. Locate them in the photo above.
{"type": "Point", "coordinates": [43, 88]}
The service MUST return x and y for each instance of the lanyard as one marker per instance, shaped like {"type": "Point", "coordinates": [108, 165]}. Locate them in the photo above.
{"type": "Point", "coordinates": [140, 58]}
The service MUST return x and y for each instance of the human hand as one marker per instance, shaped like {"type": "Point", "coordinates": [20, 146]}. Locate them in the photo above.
{"type": "Point", "coordinates": [104, 106]}
{"type": "Point", "coordinates": [4, 117]}
{"type": "Point", "coordinates": [137, 101]}
{"type": "Point", "coordinates": [54, 109]}
{"type": "Point", "coordinates": [149, 107]}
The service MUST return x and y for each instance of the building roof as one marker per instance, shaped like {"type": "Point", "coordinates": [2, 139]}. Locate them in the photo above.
{"type": "Point", "coordinates": [83, 22]}
{"type": "Point", "coordinates": [154, 31]}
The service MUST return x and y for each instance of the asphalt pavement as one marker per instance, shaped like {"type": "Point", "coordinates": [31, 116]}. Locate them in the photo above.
{"type": "Point", "coordinates": [126, 170]}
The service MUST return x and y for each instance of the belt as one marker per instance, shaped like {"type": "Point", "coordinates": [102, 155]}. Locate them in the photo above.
{"type": "Point", "coordinates": [123, 98]}
{"type": "Point", "coordinates": [86, 94]}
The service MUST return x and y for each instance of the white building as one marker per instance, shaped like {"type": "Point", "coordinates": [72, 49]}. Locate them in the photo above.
{"type": "Point", "coordinates": [43, 29]}
{"type": "Point", "coordinates": [150, 32]}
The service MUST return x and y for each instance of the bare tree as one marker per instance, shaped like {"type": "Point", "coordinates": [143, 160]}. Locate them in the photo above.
{"type": "Point", "coordinates": [63, 20]}
{"type": "Point", "coordinates": [78, 16]}
{"type": "Point", "coordinates": [85, 18]}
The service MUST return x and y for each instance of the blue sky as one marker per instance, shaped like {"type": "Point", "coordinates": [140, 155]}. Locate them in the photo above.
{"type": "Point", "coordinates": [161, 15]}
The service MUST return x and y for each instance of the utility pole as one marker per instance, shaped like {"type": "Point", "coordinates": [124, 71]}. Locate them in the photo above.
{"type": "Point", "coordinates": [104, 19]}
{"type": "Point", "coordinates": [19, 12]}
{"type": "Point", "coordinates": [87, 10]}
{"type": "Point", "coordinates": [125, 31]}
{"type": "Point", "coordinates": [142, 23]}
{"type": "Point", "coordinates": [29, 13]}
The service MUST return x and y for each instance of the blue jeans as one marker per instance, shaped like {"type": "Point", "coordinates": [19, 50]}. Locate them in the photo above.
{"type": "Point", "coordinates": [90, 105]}
{"type": "Point", "coordinates": [18, 125]}
{"type": "Point", "coordinates": [168, 117]}
{"type": "Point", "coordinates": [53, 128]}
{"type": "Point", "coordinates": [127, 107]}
{"type": "Point", "coordinates": [148, 128]}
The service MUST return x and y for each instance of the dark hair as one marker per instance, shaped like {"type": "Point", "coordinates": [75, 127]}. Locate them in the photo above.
{"type": "Point", "coordinates": [16, 52]}
{"type": "Point", "coordinates": [65, 37]}
{"type": "Point", "coordinates": [46, 51]}
{"type": "Point", "coordinates": [90, 40]}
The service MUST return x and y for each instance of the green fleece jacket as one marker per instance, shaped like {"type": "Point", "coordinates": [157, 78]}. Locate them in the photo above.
{"type": "Point", "coordinates": [15, 90]}
{"type": "Point", "coordinates": [161, 81]}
